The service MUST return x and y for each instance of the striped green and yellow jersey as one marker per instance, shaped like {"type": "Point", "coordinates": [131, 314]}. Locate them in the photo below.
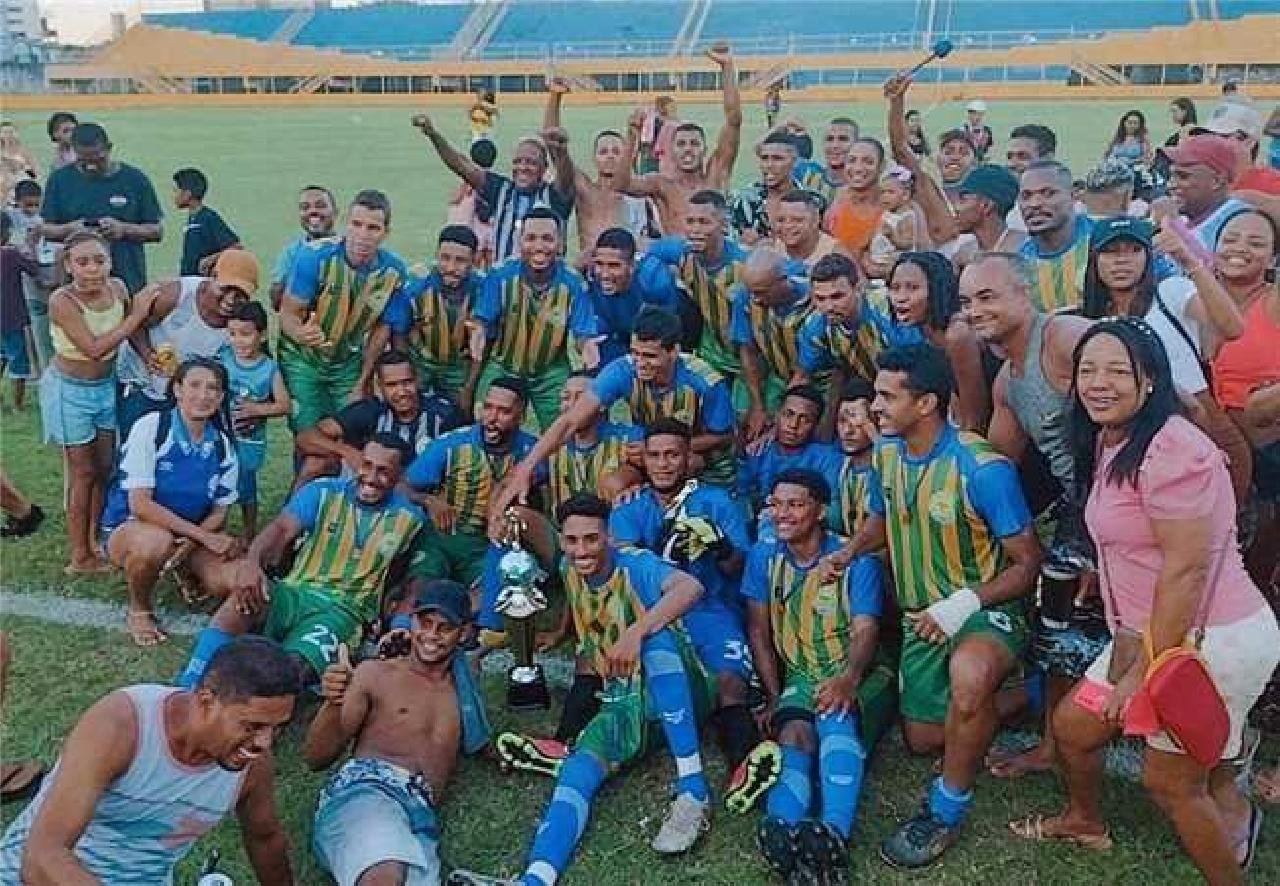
{"type": "Point", "coordinates": [528, 325]}
{"type": "Point", "coordinates": [850, 498]}
{"type": "Point", "coordinates": [604, 606]}
{"type": "Point", "coordinates": [572, 469]}
{"type": "Point", "coordinates": [709, 288]}
{"type": "Point", "coordinates": [467, 471]}
{"type": "Point", "coordinates": [436, 319]}
{"type": "Point", "coordinates": [348, 547]}
{"type": "Point", "coordinates": [1058, 278]}
{"type": "Point", "coordinates": [852, 348]}
{"type": "Point", "coordinates": [345, 301]}
{"type": "Point", "coordinates": [774, 331]}
{"type": "Point", "coordinates": [945, 514]}
{"type": "Point", "coordinates": [811, 619]}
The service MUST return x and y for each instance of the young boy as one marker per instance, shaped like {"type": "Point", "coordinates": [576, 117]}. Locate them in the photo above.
{"type": "Point", "coordinates": [26, 235]}
{"type": "Point", "coordinates": [206, 233]}
{"type": "Point", "coordinates": [257, 393]}
{"type": "Point", "coordinates": [15, 323]}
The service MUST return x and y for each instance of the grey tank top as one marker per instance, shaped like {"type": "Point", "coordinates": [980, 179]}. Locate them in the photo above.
{"type": "Point", "coordinates": [1041, 410]}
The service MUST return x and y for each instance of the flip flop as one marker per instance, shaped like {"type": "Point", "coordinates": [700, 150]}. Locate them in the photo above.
{"type": "Point", "coordinates": [153, 638]}
{"type": "Point", "coordinates": [20, 780]}
{"type": "Point", "coordinates": [1032, 828]}
{"type": "Point", "coordinates": [1251, 842]}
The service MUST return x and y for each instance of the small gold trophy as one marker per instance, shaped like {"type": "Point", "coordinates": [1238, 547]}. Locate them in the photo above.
{"type": "Point", "coordinates": [519, 602]}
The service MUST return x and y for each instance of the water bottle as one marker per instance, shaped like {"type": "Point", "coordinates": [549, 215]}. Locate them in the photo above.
{"type": "Point", "coordinates": [209, 873]}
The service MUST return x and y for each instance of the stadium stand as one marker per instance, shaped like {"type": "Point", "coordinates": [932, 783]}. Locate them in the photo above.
{"type": "Point", "coordinates": [649, 26]}
{"type": "Point", "coordinates": [249, 24]}
{"type": "Point", "coordinates": [854, 22]}
{"type": "Point", "coordinates": [399, 29]}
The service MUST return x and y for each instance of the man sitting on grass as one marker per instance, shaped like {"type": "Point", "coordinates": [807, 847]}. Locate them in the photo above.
{"type": "Point", "coordinates": [377, 821]}
{"type": "Point", "coordinates": [353, 532]}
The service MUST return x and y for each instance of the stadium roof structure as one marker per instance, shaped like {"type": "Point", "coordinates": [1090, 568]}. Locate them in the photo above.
{"type": "Point", "coordinates": [164, 60]}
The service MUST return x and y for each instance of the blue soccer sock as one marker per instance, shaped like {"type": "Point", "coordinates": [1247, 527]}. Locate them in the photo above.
{"type": "Point", "coordinates": [668, 688]}
{"type": "Point", "coordinates": [490, 586]}
{"type": "Point", "coordinates": [948, 804]}
{"type": "Point", "coordinates": [208, 641]}
{"type": "Point", "coordinates": [581, 775]}
{"type": "Point", "coordinates": [789, 799]}
{"type": "Point", "coordinates": [841, 761]}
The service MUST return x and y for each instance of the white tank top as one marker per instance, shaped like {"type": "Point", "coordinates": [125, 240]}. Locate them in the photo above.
{"type": "Point", "coordinates": [184, 329]}
{"type": "Point", "coordinates": [148, 818]}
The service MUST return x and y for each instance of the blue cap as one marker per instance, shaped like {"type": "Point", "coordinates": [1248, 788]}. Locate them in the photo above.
{"type": "Point", "coordinates": [1108, 230]}
{"type": "Point", "coordinates": [448, 598]}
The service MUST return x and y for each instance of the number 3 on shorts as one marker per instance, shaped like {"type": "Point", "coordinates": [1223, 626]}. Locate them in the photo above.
{"type": "Point", "coordinates": [323, 639]}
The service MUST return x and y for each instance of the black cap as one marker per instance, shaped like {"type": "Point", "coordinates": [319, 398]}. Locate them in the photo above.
{"type": "Point", "coordinates": [1109, 230]}
{"type": "Point", "coordinates": [449, 598]}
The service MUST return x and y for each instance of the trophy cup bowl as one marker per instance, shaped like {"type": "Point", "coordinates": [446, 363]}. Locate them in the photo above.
{"type": "Point", "coordinates": [519, 603]}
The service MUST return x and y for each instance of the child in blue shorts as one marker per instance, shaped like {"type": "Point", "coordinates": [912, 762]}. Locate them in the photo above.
{"type": "Point", "coordinates": [257, 393]}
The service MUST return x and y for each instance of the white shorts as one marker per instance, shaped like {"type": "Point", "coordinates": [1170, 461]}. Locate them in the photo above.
{"type": "Point", "coordinates": [369, 813]}
{"type": "Point", "coordinates": [1241, 657]}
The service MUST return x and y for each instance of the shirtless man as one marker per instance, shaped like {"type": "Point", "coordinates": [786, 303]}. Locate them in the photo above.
{"type": "Point", "coordinates": [376, 824]}
{"type": "Point", "coordinates": [694, 170]}
{"type": "Point", "coordinates": [600, 204]}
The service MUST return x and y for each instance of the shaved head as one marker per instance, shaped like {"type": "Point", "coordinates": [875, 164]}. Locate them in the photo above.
{"type": "Point", "coordinates": [764, 274]}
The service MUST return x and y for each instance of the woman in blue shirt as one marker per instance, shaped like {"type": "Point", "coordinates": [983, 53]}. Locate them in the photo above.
{"type": "Point", "coordinates": [176, 476]}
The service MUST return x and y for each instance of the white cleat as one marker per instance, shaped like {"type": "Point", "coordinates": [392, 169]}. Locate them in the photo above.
{"type": "Point", "coordinates": [686, 820]}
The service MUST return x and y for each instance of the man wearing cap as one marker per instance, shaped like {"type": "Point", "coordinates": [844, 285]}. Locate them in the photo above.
{"type": "Point", "coordinates": [188, 319]}
{"type": "Point", "coordinates": [987, 195]}
{"type": "Point", "coordinates": [980, 134]}
{"type": "Point", "coordinates": [1241, 127]}
{"type": "Point", "coordinates": [114, 199]}
{"type": "Point", "coordinates": [1202, 169]}
{"type": "Point", "coordinates": [377, 819]}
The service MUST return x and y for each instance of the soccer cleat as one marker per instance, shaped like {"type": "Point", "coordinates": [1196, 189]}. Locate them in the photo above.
{"type": "Point", "coordinates": [753, 777]}
{"type": "Point", "coordinates": [685, 822]}
{"type": "Point", "coordinates": [542, 756]}
{"type": "Point", "coordinates": [824, 850]}
{"type": "Point", "coordinates": [919, 841]}
{"type": "Point", "coordinates": [471, 878]}
{"type": "Point", "coordinates": [777, 842]}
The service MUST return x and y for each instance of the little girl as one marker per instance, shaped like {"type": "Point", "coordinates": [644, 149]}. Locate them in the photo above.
{"type": "Point", "coordinates": [900, 225]}
{"type": "Point", "coordinates": [88, 319]}
{"type": "Point", "coordinates": [257, 392]}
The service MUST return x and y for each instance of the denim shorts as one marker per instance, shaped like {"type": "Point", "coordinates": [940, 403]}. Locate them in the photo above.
{"type": "Point", "coordinates": [74, 410]}
{"type": "Point", "coordinates": [373, 811]}
{"type": "Point", "coordinates": [17, 347]}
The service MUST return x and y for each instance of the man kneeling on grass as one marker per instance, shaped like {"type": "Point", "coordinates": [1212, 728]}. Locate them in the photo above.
{"type": "Point", "coordinates": [624, 604]}
{"type": "Point", "coordinates": [377, 823]}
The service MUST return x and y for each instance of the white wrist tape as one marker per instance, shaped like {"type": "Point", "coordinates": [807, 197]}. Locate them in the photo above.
{"type": "Point", "coordinates": [952, 612]}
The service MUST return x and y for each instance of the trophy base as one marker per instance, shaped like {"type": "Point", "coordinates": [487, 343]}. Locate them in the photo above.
{"type": "Point", "coordinates": [527, 689]}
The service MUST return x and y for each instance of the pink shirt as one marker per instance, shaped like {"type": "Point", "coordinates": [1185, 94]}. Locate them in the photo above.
{"type": "Point", "coordinates": [1183, 477]}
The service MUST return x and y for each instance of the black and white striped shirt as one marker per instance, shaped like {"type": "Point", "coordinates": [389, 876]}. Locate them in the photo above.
{"type": "Point", "coordinates": [508, 205]}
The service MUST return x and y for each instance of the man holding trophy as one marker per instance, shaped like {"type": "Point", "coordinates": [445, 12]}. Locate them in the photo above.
{"type": "Point", "coordinates": [624, 603]}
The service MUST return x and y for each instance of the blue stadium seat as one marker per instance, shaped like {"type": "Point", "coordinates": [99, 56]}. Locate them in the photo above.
{"type": "Point", "coordinates": [744, 20]}
{"type": "Point", "coordinates": [393, 28]}
{"type": "Point", "coordinates": [565, 22]}
{"type": "Point", "coordinates": [252, 24]}
{"type": "Point", "coordinates": [1048, 20]}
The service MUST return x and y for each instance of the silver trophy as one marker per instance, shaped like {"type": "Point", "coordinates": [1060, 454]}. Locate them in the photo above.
{"type": "Point", "coordinates": [519, 602]}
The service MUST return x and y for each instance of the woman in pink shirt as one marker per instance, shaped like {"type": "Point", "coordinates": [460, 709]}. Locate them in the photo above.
{"type": "Point", "coordinates": [1162, 514]}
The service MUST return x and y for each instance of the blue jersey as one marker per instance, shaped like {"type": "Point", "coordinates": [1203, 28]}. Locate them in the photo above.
{"type": "Point", "coordinates": [757, 473]}
{"type": "Point", "coordinates": [652, 283]}
{"type": "Point", "coordinates": [643, 522]}
{"type": "Point", "coordinates": [697, 395]}
{"type": "Point", "coordinates": [861, 581]}
{"type": "Point", "coordinates": [251, 383]}
{"type": "Point", "coordinates": [185, 476]}
{"type": "Point", "coordinates": [852, 347]}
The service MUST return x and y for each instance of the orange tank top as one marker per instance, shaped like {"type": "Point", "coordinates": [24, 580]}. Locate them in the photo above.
{"type": "Point", "coordinates": [1251, 360]}
{"type": "Point", "coordinates": [853, 224]}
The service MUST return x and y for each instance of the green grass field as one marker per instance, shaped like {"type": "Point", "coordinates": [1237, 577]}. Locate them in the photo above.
{"type": "Point", "coordinates": [256, 160]}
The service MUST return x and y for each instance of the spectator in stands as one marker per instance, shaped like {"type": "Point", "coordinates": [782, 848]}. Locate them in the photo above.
{"type": "Point", "coordinates": [112, 198]}
{"type": "Point", "coordinates": [60, 127]}
{"type": "Point", "coordinates": [1182, 112]}
{"type": "Point", "coordinates": [482, 115]}
{"type": "Point", "coordinates": [772, 103]}
{"type": "Point", "coordinates": [1131, 142]}
{"type": "Point", "coordinates": [206, 234]}
{"type": "Point", "coordinates": [694, 170]}
{"type": "Point", "coordinates": [317, 212]}
{"type": "Point", "coordinates": [510, 199]}
{"type": "Point", "coordinates": [980, 134]}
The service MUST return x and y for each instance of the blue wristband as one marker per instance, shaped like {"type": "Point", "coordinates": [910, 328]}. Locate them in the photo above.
{"type": "Point", "coordinates": [402, 622]}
